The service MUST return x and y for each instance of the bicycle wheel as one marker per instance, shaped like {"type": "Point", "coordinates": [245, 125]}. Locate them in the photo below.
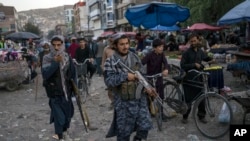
{"type": "Point", "coordinates": [158, 115]}
{"type": "Point", "coordinates": [218, 115]}
{"type": "Point", "coordinates": [174, 98]}
{"type": "Point", "coordinates": [82, 89]}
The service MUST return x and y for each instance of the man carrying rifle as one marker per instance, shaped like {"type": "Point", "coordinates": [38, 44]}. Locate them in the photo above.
{"type": "Point", "coordinates": [130, 103]}
{"type": "Point", "coordinates": [57, 72]}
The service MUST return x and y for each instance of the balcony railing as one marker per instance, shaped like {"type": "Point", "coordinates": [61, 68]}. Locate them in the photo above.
{"type": "Point", "coordinates": [110, 22]}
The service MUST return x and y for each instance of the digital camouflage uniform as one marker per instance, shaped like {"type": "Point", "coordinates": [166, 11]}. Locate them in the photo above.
{"type": "Point", "coordinates": [129, 115]}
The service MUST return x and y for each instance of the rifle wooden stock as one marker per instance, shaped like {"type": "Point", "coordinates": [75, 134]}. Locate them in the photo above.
{"type": "Point", "coordinates": [82, 110]}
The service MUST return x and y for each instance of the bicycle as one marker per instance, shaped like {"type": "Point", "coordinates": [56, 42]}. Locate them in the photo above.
{"type": "Point", "coordinates": [156, 104]}
{"type": "Point", "coordinates": [215, 103]}
{"type": "Point", "coordinates": [83, 79]}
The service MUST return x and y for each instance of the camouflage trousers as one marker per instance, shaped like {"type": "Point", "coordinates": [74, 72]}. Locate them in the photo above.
{"type": "Point", "coordinates": [130, 116]}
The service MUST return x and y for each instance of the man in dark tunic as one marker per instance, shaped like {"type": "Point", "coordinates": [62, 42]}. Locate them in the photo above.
{"type": "Point", "coordinates": [157, 63]}
{"type": "Point", "coordinates": [192, 59]}
{"type": "Point", "coordinates": [82, 53]}
{"type": "Point", "coordinates": [57, 71]}
{"type": "Point", "coordinates": [130, 112]}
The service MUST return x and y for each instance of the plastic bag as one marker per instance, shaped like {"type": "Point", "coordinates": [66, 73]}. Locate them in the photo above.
{"type": "Point", "coordinates": [224, 116]}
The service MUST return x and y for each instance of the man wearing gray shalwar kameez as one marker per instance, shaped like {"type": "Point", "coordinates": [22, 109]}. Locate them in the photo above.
{"type": "Point", "coordinates": [130, 112]}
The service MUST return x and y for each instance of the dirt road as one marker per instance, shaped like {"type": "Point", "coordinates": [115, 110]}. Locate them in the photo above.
{"type": "Point", "coordinates": [24, 119]}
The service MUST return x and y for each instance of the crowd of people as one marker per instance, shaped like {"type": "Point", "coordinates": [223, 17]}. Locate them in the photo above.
{"type": "Point", "coordinates": [131, 113]}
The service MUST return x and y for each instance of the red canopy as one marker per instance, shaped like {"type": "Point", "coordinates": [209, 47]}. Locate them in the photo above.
{"type": "Point", "coordinates": [203, 26]}
{"type": "Point", "coordinates": [128, 33]}
{"type": "Point", "coordinates": [107, 33]}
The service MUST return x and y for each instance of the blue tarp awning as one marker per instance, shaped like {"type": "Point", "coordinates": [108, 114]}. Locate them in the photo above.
{"type": "Point", "coordinates": [239, 13]}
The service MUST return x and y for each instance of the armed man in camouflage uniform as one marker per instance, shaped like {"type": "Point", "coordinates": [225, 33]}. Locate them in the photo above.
{"type": "Point", "coordinates": [130, 111]}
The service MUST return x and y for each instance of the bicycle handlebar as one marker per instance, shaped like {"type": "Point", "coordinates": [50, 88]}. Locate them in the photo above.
{"type": "Point", "coordinates": [74, 60]}
{"type": "Point", "coordinates": [154, 76]}
{"type": "Point", "coordinates": [199, 72]}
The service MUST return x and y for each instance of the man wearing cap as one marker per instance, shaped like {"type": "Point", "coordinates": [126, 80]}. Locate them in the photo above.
{"type": "Point", "coordinates": [45, 47]}
{"type": "Point", "coordinates": [130, 110]}
{"type": "Point", "coordinates": [157, 63]}
{"type": "Point", "coordinates": [57, 71]}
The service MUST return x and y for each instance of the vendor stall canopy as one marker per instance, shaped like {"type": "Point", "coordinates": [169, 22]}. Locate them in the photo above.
{"type": "Point", "coordinates": [240, 12]}
{"type": "Point", "coordinates": [155, 13]}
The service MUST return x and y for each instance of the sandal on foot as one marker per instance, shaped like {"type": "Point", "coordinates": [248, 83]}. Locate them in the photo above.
{"type": "Point", "coordinates": [55, 137]}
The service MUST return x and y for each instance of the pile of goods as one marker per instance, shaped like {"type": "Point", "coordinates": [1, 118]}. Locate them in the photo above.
{"type": "Point", "coordinates": [13, 70]}
{"type": "Point", "coordinates": [223, 46]}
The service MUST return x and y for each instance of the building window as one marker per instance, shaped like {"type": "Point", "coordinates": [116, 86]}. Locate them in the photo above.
{"type": "Point", "coordinates": [104, 6]}
{"type": "Point", "coordinates": [12, 26]}
{"type": "Point", "coordinates": [2, 16]}
{"type": "Point", "coordinates": [110, 16]}
{"type": "Point", "coordinates": [66, 12]}
{"type": "Point", "coordinates": [109, 3]}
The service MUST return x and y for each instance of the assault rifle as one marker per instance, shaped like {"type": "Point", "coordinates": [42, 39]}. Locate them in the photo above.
{"type": "Point", "coordinates": [83, 112]}
{"type": "Point", "coordinates": [143, 81]}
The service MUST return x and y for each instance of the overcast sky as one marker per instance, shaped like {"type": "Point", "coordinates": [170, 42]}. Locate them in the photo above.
{"type": "Point", "coordinates": [22, 5]}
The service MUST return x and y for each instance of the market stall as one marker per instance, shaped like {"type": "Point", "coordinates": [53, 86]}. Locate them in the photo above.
{"type": "Point", "coordinates": [223, 48]}
{"type": "Point", "coordinates": [240, 67]}
{"type": "Point", "coordinates": [216, 77]}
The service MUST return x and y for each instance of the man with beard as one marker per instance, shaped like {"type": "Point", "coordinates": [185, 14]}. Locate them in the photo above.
{"type": "Point", "coordinates": [130, 112]}
{"type": "Point", "coordinates": [192, 59]}
{"type": "Point", "coordinates": [57, 71]}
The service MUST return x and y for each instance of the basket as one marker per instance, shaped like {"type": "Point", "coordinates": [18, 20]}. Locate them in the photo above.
{"type": "Point", "coordinates": [81, 69]}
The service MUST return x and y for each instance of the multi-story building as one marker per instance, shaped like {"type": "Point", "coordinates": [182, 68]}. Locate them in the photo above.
{"type": "Point", "coordinates": [95, 9]}
{"type": "Point", "coordinates": [69, 16]}
{"type": "Point", "coordinates": [108, 15]}
{"type": "Point", "coordinates": [81, 19]}
{"type": "Point", "coordinates": [8, 19]}
{"type": "Point", "coordinates": [109, 22]}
